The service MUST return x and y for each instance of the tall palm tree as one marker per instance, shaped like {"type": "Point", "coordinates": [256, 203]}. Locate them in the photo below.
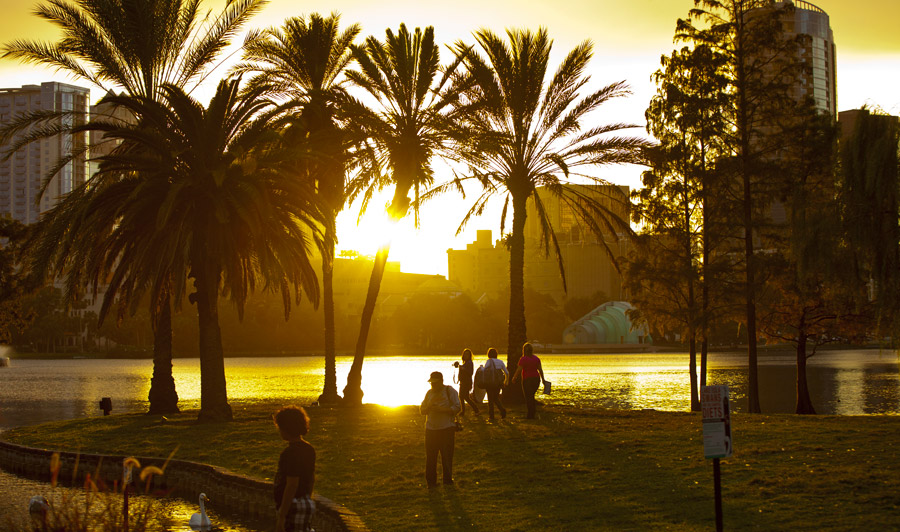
{"type": "Point", "coordinates": [529, 134]}
{"type": "Point", "coordinates": [135, 46]}
{"type": "Point", "coordinates": [413, 120]}
{"type": "Point", "coordinates": [304, 61]}
{"type": "Point", "coordinates": [197, 193]}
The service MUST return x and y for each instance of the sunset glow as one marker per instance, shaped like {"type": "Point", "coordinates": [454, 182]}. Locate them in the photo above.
{"type": "Point", "coordinates": [629, 38]}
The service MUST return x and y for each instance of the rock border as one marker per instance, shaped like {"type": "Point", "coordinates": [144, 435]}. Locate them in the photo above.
{"type": "Point", "coordinates": [229, 492]}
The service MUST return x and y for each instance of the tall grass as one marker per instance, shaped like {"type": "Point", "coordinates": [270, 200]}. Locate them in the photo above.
{"type": "Point", "coordinates": [97, 507]}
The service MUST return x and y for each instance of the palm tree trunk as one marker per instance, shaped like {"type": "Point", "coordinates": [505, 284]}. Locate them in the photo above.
{"type": "Point", "coordinates": [353, 393]}
{"type": "Point", "coordinates": [329, 390]}
{"type": "Point", "coordinates": [163, 397]}
{"type": "Point", "coordinates": [517, 326]}
{"type": "Point", "coordinates": [213, 395]}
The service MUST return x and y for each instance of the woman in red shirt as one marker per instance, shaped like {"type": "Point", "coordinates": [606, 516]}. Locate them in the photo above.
{"type": "Point", "coordinates": [532, 375]}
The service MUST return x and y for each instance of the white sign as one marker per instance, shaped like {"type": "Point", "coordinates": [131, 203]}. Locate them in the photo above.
{"type": "Point", "coordinates": [716, 421]}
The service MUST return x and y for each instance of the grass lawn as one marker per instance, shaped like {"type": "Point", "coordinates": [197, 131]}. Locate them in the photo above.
{"type": "Point", "coordinates": [571, 469]}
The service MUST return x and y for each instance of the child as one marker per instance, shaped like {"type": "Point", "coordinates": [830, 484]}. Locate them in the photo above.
{"type": "Point", "coordinates": [296, 472]}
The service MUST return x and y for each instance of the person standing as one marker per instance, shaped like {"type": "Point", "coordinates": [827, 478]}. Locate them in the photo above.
{"type": "Point", "coordinates": [466, 370]}
{"type": "Point", "coordinates": [296, 473]}
{"type": "Point", "coordinates": [495, 376]}
{"type": "Point", "coordinates": [440, 406]}
{"type": "Point", "coordinates": [532, 375]}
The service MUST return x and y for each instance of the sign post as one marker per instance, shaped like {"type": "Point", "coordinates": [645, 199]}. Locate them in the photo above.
{"type": "Point", "coordinates": [716, 436]}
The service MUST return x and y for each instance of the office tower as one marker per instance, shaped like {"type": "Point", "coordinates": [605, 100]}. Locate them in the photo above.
{"type": "Point", "coordinates": [21, 175]}
{"type": "Point", "coordinates": [817, 53]}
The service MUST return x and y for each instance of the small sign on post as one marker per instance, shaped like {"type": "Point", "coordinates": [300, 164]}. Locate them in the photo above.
{"type": "Point", "coordinates": [716, 437]}
{"type": "Point", "coordinates": [716, 421]}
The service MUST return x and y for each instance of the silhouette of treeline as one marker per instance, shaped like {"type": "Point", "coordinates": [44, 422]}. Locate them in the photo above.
{"type": "Point", "coordinates": [423, 324]}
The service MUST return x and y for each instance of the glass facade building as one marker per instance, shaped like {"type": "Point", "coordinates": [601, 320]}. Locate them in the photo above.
{"type": "Point", "coordinates": [817, 53]}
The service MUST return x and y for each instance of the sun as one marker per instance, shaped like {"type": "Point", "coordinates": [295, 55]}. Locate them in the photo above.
{"type": "Point", "coordinates": [420, 249]}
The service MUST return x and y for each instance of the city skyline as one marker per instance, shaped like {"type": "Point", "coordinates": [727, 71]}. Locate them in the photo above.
{"type": "Point", "coordinates": [628, 40]}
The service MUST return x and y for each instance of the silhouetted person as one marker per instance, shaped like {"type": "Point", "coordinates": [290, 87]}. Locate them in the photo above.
{"type": "Point", "coordinates": [532, 375]}
{"type": "Point", "coordinates": [296, 473]}
{"type": "Point", "coordinates": [440, 406]}
{"type": "Point", "coordinates": [495, 376]}
{"type": "Point", "coordinates": [466, 370]}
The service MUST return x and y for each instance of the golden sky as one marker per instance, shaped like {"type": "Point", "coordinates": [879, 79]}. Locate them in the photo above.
{"type": "Point", "coordinates": [629, 37]}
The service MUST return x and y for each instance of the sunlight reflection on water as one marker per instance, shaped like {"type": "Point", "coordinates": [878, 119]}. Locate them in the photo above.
{"type": "Point", "coordinates": [842, 382]}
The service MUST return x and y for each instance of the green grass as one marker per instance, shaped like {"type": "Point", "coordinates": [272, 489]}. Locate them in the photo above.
{"type": "Point", "coordinates": [571, 469]}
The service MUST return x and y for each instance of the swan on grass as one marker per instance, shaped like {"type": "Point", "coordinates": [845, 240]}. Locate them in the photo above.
{"type": "Point", "coordinates": [200, 521]}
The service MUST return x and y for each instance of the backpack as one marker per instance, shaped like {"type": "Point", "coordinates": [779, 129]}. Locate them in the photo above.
{"type": "Point", "coordinates": [479, 377]}
{"type": "Point", "coordinates": [492, 376]}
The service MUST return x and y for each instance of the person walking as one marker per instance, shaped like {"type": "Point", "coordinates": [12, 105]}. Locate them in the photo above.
{"type": "Point", "coordinates": [532, 375]}
{"type": "Point", "coordinates": [466, 370]}
{"type": "Point", "coordinates": [440, 406]}
{"type": "Point", "coordinates": [495, 376]}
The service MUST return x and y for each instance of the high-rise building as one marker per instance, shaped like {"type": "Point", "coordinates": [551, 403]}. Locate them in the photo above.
{"type": "Point", "coordinates": [482, 269]}
{"type": "Point", "coordinates": [21, 175]}
{"type": "Point", "coordinates": [817, 53]}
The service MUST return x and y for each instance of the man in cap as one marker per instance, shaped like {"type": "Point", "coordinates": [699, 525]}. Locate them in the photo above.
{"type": "Point", "coordinates": [440, 407]}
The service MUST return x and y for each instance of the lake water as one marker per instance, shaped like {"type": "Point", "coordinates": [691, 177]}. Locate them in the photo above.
{"type": "Point", "coordinates": [849, 382]}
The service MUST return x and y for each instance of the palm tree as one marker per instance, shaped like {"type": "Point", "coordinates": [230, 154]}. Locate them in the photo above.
{"type": "Point", "coordinates": [413, 121]}
{"type": "Point", "coordinates": [529, 135]}
{"type": "Point", "coordinates": [135, 46]}
{"type": "Point", "coordinates": [304, 61]}
{"type": "Point", "coordinates": [197, 193]}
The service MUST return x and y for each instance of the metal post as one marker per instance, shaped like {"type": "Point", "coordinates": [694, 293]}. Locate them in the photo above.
{"type": "Point", "coordinates": [717, 483]}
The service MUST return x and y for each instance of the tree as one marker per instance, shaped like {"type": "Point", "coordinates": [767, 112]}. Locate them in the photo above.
{"type": "Point", "coordinates": [437, 323]}
{"type": "Point", "coordinates": [13, 317]}
{"type": "Point", "coordinates": [202, 193]}
{"type": "Point", "coordinates": [671, 269]}
{"type": "Point", "coordinates": [760, 65]}
{"type": "Point", "coordinates": [869, 193]}
{"type": "Point", "coordinates": [809, 299]}
{"type": "Point", "coordinates": [412, 122]}
{"type": "Point", "coordinates": [527, 133]}
{"type": "Point", "coordinates": [576, 308]}
{"type": "Point", "coordinates": [304, 60]}
{"type": "Point", "coordinates": [135, 46]}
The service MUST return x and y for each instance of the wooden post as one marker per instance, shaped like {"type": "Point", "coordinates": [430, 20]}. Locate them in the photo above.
{"type": "Point", "coordinates": [717, 483]}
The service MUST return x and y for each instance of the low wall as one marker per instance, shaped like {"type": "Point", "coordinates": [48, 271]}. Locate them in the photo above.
{"type": "Point", "coordinates": [229, 492]}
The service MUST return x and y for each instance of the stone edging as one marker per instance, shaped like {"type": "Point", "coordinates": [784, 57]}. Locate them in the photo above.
{"type": "Point", "coordinates": [230, 492]}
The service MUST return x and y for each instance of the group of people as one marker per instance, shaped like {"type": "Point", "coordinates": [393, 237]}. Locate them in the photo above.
{"type": "Point", "coordinates": [295, 476]}
{"type": "Point", "coordinates": [443, 403]}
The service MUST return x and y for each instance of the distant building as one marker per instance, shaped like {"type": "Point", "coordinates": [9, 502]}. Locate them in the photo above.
{"type": "Point", "coordinates": [817, 54]}
{"type": "Point", "coordinates": [351, 283]}
{"type": "Point", "coordinates": [21, 175]}
{"type": "Point", "coordinates": [482, 269]}
{"type": "Point", "coordinates": [101, 146]}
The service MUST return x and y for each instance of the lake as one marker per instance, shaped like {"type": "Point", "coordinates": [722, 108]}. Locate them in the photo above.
{"type": "Point", "coordinates": [845, 382]}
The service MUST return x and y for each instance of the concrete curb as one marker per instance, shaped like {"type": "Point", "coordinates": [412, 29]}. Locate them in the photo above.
{"type": "Point", "coordinates": [230, 492]}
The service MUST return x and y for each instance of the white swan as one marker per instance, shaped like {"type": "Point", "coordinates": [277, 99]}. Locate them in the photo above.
{"type": "Point", "coordinates": [200, 521]}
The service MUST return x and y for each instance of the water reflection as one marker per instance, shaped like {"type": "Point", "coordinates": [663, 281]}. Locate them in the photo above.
{"type": "Point", "coordinates": [841, 382]}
